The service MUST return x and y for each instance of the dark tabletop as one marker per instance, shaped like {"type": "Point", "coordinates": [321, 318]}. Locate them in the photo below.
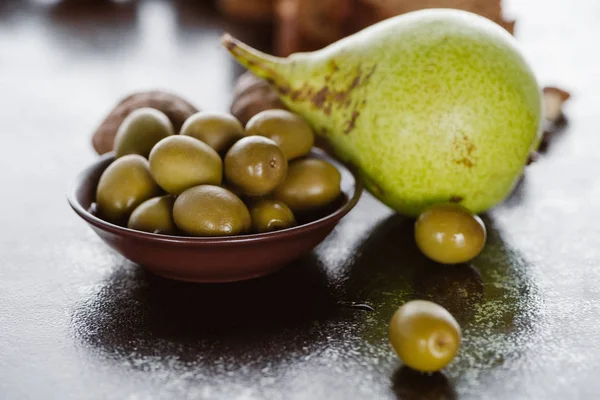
{"type": "Point", "coordinates": [77, 321]}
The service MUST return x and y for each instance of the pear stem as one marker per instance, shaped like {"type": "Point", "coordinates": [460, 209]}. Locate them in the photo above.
{"type": "Point", "coordinates": [261, 64]}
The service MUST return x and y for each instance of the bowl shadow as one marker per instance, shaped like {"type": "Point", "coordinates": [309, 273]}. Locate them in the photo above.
{"type": "Point", "coordinates": [137, 312]}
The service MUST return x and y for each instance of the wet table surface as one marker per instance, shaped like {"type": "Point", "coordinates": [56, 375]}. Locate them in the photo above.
{"type": "Point", "coordinates": [78, 321]}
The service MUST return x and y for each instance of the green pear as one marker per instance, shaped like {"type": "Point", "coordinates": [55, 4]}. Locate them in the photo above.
{"type": "Point", "coordinates": [431, 106]}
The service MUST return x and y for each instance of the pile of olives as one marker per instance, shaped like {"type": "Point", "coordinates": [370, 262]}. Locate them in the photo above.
{"type": "Point", "coordinates": [214, 178]}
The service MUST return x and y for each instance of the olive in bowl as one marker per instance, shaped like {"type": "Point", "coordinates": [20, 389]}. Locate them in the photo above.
{"type": "Point", "coordinates": [212, 259]}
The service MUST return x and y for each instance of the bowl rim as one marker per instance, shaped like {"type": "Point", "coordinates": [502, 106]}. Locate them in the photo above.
{"type": "Point", "coordinates": [215, 240]}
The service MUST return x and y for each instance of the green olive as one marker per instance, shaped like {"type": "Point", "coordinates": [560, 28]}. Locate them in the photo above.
{"type": "Point", "coordinates": [140, 131]}
{"type": "Point", "coordinates": [255, 165]}
{"type": "Point", "coordinates": [216, 129]}
{"type": "Point", "coordinates": [271, 215]}
{"type": "Point", "coordinates": [208, 210]}
{"type": "Point", "coordinates": [425, 335]}
{"type": "Point", "coordinates": [290, 131]}
{"type": "Point", "coordinates": [181, 162]}
{"type": "Point", "coordinates": [310, 184]}
{"type": "Point", "coordinates": [450, 234]}
{"type": "Point", "coordinates": [124, 185]}
{"type": "Point", "coordinates": [154, 215]}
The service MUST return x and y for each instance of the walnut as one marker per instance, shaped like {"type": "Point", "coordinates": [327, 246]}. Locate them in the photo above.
{"type": "Point", "coordinates": [176, 108]}
{"type": "Point", "coordinates": [252, 95]}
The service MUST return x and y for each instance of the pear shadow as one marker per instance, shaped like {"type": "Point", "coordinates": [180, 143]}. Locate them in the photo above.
{"type": "Point", "coordinates": [494, 298]}
{"type": "Point", "coordinates": [408, 384]}
{"type": "Point", "coordinates": [137, 312]}
{"type": "Point", "coordinates": [512, 297]}
{"type": "Point", "coordinates": [392, 270]}
{"type": "Point", "coordinates": [459, 289]}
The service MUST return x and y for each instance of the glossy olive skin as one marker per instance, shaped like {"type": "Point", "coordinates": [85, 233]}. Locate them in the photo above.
{"type": "Point", "coordinates": [310, 184]}
{"type": "Point", "coordinates": [290, 131]}
{"type": "Point", "coordinates": [450, 234]}
{"type": "Point", "coordinates": [271, 215]}
{"type": "Point", "coordinates": [180, 162]}
{"type": "Point", "coordinates": [209, 210]}
{"type": "Point", "coordinates": [425, 335]}
{"type": "Point", "coordinates": [124, 185]}
{"type": "Point", "coordinates": [216, 129]}
{"type": "Point", "coordinates": [255, 165]}
{"type": "Point", "coordinates": [140, 131]}
{"type": "Point", "coordinates": [154, 215]}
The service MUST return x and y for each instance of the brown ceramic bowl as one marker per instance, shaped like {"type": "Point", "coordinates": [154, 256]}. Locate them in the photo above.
{"type": "Point", "coordinates": [213, 259]}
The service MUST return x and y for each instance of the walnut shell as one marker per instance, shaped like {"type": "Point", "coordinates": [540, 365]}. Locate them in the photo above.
{"type": "Point", "coordinates": [252, 95]}
{"type": "Point", "coordinates": [176, 108]}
